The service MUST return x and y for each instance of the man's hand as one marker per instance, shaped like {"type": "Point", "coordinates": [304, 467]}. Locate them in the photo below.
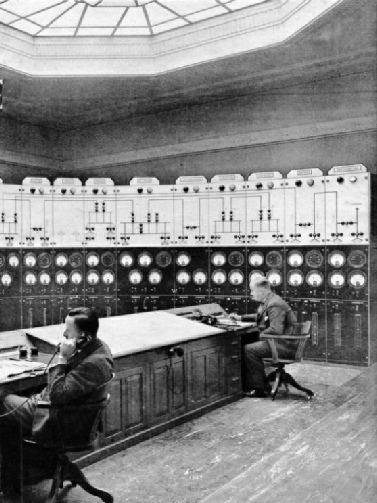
{"type": "Point", "coordinates": [235, 317]}
{"type": "Point", "coordinates": [67, 348]}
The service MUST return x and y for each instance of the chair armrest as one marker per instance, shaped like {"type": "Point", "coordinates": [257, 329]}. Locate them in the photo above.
{"type": "Point", "coordinates": [285, 337]}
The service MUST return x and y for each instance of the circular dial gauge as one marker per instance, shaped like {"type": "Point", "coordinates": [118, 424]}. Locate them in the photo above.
{"type": "Point", "coordinates": [337, 258]}
{"type": "Point", "coordinates": [274, 277]}
{"type": "Point", "coordinates": [13, 260]}
{"type": "Point", "coordinates": [135, 277]}
{"type": "Point", "coordinates": [126, 259]}
{"type": "Point", "coordinates": [218, 277]}
{"type": "Point", "coordinates": [314, 278]}
{"type": "Point", "coordinates": [92, 259]}
{"type": "Point", "coordinates": [255, 275]}
{"type": "Point", "coordinates": [44, 278]}
{"type": "Point", "coordinates": [30, 278]}
{"type": "Point", "coordinates": [163, 259]}
{"type": "Point", "coordinates": [2, 260]}
{"type": "Point", "coordinates": [155, 277]}
{"type": "Point", "coordinates": [30, 260]}
{"type": "Point", "coordinates": [295, 277]}
{"type": "Point", "coordinates": [61, 278]}
{"type": "Point", "coordinates": [75, 277]}
{"type": "Point", "coordinates": [357, 258]}
{"type": "Point", "coordinates": [337, 279]}
{"type": "Point", "coordinates": [92, 277]}
{"type": "Point", "coordinates": [183, 277]}
{"type": "Point", "coordinates": [6, 278]}
{"type": "Point", "coordinates": [44, 260]}
{"type": "Point", "coordinates": [199, 277]}
{"type": "Point", "coordinates": [218, 259]}
{"type": "Point", "coordinates": [274, 259]}
{"type": "Point", "coordinates": [145, 259]}
{"type": "Point", "coordinates": [357, 279]}
{"type": "Point", "coordinates": [75, 260]}
{"type": "Point", "coordinates": [256, 259]}
{"type": "Point", "coordinates": [236, 259]}
{"type": "Point", "coordinates": [314, 258]}
{"type": "Point", "coordinates": [107, 259]}
{"type": "Point", "coordinates": [183, 259]}
{"type": "Point", "coordinates": [108, 277]}
{"type": "Point", "coordinates": [236, 277]}
{"type": "Point", "coordinates": [61, 260]}
{"type": "Point", "coordinates": [295, 258]}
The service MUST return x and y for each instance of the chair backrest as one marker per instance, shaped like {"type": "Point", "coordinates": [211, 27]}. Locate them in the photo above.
{"type": "Point", "coordinates": [301, 329]}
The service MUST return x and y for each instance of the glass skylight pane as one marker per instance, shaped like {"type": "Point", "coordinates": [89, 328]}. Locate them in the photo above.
{"type": "Point", "coordinates": [26, 7]}
{"type": "Point", "coordinates": [132, 31]}
{"type": "Point", "coordinates": [70, 18]}
{"type": "Point", "coordinates": [46, 16]}
{"type": "Point", "coordinates": [57, 32]}
{"type": "Point", "coordinates": [241, 4]}
{"type": "Point", "coordinates": [26, 26]}
{"type": "Point", "coordinates": [170, 25]}
{"type": "Point", "coordinates": [205, 14]}
{"type": "Point", "coordinates": [134, 17]}
{"type": "Point", "coordinates": [158, 14]}
{"type": "Point", "coordinates": [6, 18]}
{"type": "Point", "coordinates": [184, 7]}
{"type": "Point", "coordinates": [94, 32]}
{"type": "Point", "coordinates": [102, 17]}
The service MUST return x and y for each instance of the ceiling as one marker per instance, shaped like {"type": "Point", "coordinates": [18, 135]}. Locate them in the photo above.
{"type": "Point", "coordinates": [111, 18]}
{"type": "Point", "coordinates": [323, 49]}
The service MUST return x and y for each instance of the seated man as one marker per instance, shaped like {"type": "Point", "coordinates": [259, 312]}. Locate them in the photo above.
{"type": "Point", "coordinates": [274, 316]}
{"type": "Point", "coordinates": [84, 363]}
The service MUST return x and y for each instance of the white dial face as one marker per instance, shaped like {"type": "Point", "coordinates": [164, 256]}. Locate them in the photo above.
{"type": "Point", "coordinates": [61, 260]}
{"type": "Point", "coordinates": [337, 259]}
{"type": "Point", "coordinates": [256, 259]}
{"type": "Point", "coordinates": [61, 278]}
{"type": "Point", "coordinates": [30, 260]}
{"type": "Point", "coordinates": [274, 277]}
{"type": "Point", "coordinates": [295, 278]}
{"type": "Point", "coordinates": [44, 278]}
{"type": "Point", "coordinates": [183, 259]}
{"type": "Point", "coordinates": [108, 277]}
{"type": "Point", "coordinates": [30, 278]}
{"type": "Point", "coordinates": [254, 275]}
{"type": "Point", "coordinates": [183, 277]}
{"type": "Point", "coordinates": [76, 277]}
{"type": "Point", "coordinates": [126, 259]}
{"type": "Point", "coordinates": [92, 259]}
{"type": "Point", "coordinates": [218, 259]}
{"type": "Point", "coordinates": [92, 278]}
{"type": "Point", "coordinates": [155, 277]}
{"type": "Point", "coordinates": [6, 279]}
{"type": "Point", "coordinates": [13, 260]}
{"type": "Point", "coordinates": [337, 279]}
{"type": "Point", "coordinates": [199, 277]}
{"type": "Point", "coordinates": [219, 277]}
{"type": "Point", "coordinates": [135, 277]}
{"type": "Point", "coordinates": [357, 279]}
{"type": "Point", "coordinates": [314, 278]}
{"type": "Point", "coordinates": [295, 259]}
{"type": "Point", "coordinates": [145, 259]}
{"type": "Point", "coordinates": [235, 277]}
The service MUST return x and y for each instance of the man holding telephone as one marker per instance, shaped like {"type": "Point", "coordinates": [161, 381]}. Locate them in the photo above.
{"type": "Point", "coordinates": [84, 363]}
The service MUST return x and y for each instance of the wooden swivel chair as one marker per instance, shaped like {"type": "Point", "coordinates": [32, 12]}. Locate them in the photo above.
{"type": "Point", "coordinates": [279, 376]}
{"type": "Point", "coordinates": [77, 428]}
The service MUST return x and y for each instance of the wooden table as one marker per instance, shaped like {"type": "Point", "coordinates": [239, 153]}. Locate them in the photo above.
{"type": "Point", "coordinates": [168, 370]}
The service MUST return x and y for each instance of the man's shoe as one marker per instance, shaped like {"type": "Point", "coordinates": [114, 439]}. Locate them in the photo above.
{"type": "Point", "coordinates": [255, 393]}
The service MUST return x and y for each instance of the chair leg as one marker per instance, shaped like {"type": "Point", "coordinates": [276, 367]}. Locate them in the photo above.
{"type": "Point", "coordinates": [277, 383]}
{"type": "Point", "coordinates": [76, 477]}
{"type": "Point", "coordinates": [289, 380]}
{"type": "Point", "coordinates": [56, 484]}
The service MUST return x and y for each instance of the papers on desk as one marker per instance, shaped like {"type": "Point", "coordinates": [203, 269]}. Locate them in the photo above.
{"type": "Point", "coordinates": [11, 368]}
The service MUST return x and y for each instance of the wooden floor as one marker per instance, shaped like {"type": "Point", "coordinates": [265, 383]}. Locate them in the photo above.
{"type": "Point", "coordinates": [256, 450]}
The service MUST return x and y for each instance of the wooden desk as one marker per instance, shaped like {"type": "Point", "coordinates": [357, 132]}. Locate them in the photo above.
{"type": "Point", "coordinates": [168, 370]}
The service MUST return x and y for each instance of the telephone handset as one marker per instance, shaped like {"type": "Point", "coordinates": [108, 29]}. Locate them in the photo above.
{"type": "Point", "coordinates": [83, 340]}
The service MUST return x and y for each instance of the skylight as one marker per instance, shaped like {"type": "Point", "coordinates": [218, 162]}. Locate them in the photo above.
{"type": "Point", "coordinates": [111, 18]}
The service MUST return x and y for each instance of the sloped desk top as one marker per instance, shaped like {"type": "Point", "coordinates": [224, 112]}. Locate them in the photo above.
{"type": "Point", "coordinates": [134, 333]}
